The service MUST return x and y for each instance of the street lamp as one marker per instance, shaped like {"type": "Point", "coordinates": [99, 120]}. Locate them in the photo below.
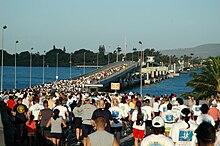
{"type": "Point", "coordinates": [141, 69]}
{"type": "Point", "coordinates": [97, 60]}
{"type": "Point", "coordinates": [30, 66]}
{"type": "Point", "coordinates": [57, 67]}
{"type": "Point", "coordinates": [16, 42]}
{"type": "Point", "coordinates": [84, 63]}
{"type": "Point", "coordinates": [43, 64]}
{"type": "Point", "coordinates": [70, 65]}
{"type": "Point", "coordinates": [2, 70]}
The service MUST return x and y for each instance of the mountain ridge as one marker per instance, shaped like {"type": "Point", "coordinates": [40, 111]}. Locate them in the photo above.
{"type": "Point", "coordinates": [201, 51]}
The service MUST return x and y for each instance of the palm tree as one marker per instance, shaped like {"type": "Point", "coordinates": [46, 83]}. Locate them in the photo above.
{"type": "Point", "coordinates": [207, 82]}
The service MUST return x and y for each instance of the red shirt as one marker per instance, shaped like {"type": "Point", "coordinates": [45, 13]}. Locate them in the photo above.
{"type": "Point", "coordinates": [11, 103]}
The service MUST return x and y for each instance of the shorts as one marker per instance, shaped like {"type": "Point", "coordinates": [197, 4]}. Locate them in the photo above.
{"type": "Point", "coordinates": [78, 122]}
{"type": "Point", "coordinates": [115, 129]}
{"type": "Point", "coordinates": [86, 130]}
{"type": "Point", "coordinates": [56, 135]}
{"type": "Point", "coordinates": [138, 133]}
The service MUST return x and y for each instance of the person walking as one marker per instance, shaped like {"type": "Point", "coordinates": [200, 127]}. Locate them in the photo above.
{"type": "Point", "coordinates": [87, 111]}
{"type": "Point", "coordinates": [117, 114]}
{"type": "Point", "coordinates": [182, 132]}
{"type": "Point", "coordinates": [139, 117]}
{"type": "Point", "coordinates": [20, 113]}
{"type": "Point", "coordinates": [101, 137]}
{"type": "Point", "coordinates": [157, 138]}
{"type": "Point", "coordinates": [31, 131]}
{"type": "Point", "coordinates": [56, 128]}
{"type": "Point", "coordinates": [77, 113]}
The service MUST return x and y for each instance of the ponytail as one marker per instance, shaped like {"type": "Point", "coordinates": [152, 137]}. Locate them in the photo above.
{"type": "Point", "coordinates": [185, 113]}
{"type": "Point", "coordinates": [139, 115]}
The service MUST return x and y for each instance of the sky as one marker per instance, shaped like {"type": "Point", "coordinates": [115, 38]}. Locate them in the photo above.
{"type": "Point", "coordinates": [77, 24]}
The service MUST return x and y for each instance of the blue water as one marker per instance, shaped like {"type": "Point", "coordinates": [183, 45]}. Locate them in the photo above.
{"type": "Point", "coordinates": [23, 75]}
{"type": "Point", "coordinates": [175, 85]}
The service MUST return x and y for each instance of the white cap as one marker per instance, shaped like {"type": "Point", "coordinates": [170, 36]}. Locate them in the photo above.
{"type": "Point", "coordinates": [157, 122]}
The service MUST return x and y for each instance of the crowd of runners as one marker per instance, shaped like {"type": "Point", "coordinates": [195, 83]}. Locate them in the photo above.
{"type": "Point", "coordinates": [103, 119]}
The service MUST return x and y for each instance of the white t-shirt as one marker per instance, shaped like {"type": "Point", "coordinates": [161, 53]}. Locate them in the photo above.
{"type": "Point", "coordinates": [205, 118]}
{"type": "Point", "coordinates": [183, 136]}
{"type": "Point", "coordinates": [125, 107]}
{"type": "Point", "coordinates": [176, 109]}
{"type": "Point", "coordinates": [169, 118]}
{"type": "Point", "coordinates": [157, 140]}
{"type": "Point", "coordinates": [134, 119]}
{"type": "Point", "coordinates": [117, 114]}
{"type": "Point", "coordinates": [196, 110]}
{"type": "Point", "coordinates": [62, 110]}
{"type": "Point", "coordinates": [163, 108]}
{"type": "Point", "coordinates": [149, 110]}
{"type": "Point", "coordinates": [35, 109]}
{"type": "Point", "coordinates": [156, 107]}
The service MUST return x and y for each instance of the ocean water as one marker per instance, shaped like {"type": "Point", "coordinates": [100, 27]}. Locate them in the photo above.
{"type": "Point", "coordinates": [175, 85]}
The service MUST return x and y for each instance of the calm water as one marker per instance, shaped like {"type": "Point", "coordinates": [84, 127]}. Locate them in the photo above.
{"type": "Point", "coordinates": [175, 85]}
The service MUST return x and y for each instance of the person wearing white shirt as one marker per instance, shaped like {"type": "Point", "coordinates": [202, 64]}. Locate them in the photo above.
{"type": "Point", "coordinates": [150, 115]}
{"type": "Point", "coordinates": [169, 117]}
{"type": "Point", "coordinates": [183, 132]}
{"type": "Point", "coordinates": [63, 110]}
{"type": "Point", "coordinates": [157, 138]}
{"type": "Point", "coordinates": [196, 109]}
{"type": "Point", "coordinates": [205, 117]}
{"type": "Point", "coordinates": [117, 114]}
{"type": "Point", "coordinates": [139, 117]}
{"type": "Point", "coordinates": [35, 109]}
{"type": "Point", "coordinates": [126, 108]}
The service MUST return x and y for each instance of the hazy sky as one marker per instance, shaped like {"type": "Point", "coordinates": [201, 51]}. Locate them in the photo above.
{"type": "Point", "coordinates": [75, 24]}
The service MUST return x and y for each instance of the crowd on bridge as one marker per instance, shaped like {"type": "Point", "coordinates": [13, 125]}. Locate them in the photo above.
{"type": "Point", "coordinates": [164, 120]}
{"type": "Point", "coordinates": [51, 110]}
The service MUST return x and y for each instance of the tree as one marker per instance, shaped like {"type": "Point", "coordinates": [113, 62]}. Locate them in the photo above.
{"type": "Point", "coordinates": [207, 82]}
{"type": "Point", "coordinates": [101, 49]}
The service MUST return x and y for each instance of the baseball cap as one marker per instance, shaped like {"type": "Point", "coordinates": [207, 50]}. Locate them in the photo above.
{"type": "Point", "coordinates": [157, 122]}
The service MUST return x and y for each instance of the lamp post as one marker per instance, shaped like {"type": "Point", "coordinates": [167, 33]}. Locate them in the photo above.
{"type": "Point", "coordinates": [2, 69]}
{"type": "Point", "coordinates": [30, 66]}
{"type": "Point", "coordinates": [57, 67]}
{"type": "Point", "coordinates": [70, 65]}
{"type": "Point", "coordinates": [141, 68]}
{"type": "Point", "coordinates": [16, 42]}
{"type": "Point", "coordinates": [43, 64]}
{"type": "Point", "coordinates": [84, 63]}
{"type": "Point", "coordinates": [97, 60]}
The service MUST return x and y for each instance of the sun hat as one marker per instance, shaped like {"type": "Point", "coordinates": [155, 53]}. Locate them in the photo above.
{"type": "Point", "coordinates": [157, 122]}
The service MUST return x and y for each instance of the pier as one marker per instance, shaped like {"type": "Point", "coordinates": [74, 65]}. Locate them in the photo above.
{"type": "Point", "coordinates": [127, 74]}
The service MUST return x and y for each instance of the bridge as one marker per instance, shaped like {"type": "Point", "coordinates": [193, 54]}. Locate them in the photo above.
{"type": "Point", "coordinates": [126, 73]}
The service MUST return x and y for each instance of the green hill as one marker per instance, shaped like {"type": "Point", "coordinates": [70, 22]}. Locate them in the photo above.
{"type": "Point", "coordinates": [202, 51]}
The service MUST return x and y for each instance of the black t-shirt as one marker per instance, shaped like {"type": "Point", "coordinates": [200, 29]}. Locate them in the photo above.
{"type": "Point", "coordinates": [106, 114]}
{"type": "Point", "coordinates": [21, 111]}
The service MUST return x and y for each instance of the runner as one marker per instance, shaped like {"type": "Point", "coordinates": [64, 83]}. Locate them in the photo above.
{"type": "Point", "coordinates": [182, 132]}
{"type": "Point", "coordinates": [169, 117]}
{"type": "Point", "coordinates": [117, 114]}
{"type": "Point", "coordinates": [157, 138]}
{"type": "Point", "coordinates": [101, 137]}
{"type": "Point", "coordinates": [56, 128]}
{"type": "Point", "coordinates": [205, 117]}
{"type": "Point", "coordinates": [139, 117]}
{"type": "Point", "coordinates": [77, 113]}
